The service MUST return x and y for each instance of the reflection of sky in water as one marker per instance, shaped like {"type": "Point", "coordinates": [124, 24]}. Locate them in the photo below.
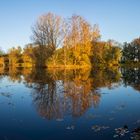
{"type": "Point", "coordinates": [21, 119]}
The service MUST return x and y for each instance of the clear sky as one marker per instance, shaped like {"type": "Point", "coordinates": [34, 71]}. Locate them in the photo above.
{"type": "Point", "coordinates": [117, 19]}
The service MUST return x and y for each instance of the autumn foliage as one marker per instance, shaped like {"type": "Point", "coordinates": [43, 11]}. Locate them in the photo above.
{"type": "Point", "coordinates": [66, 43]}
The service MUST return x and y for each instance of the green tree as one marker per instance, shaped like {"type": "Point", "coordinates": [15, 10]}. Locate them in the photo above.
{"type": "Point", "coordinates": [131, 51]}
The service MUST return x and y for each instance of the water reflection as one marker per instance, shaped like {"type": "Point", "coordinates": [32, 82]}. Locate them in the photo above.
{"type": "Point", "coordinates": [131, 77]}
{"type": "Point", "coordinates": [93, 101]}
{"type": "Point", "coordinates": [57, 93]}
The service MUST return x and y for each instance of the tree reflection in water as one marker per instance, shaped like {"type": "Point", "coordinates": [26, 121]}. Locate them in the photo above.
{"type": "Point", "coordinates": [131, 77]}
{"type": "Point", "coordinates": [57, 92]}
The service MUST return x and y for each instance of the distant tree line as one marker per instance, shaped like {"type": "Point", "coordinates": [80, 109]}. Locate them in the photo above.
{"type": "Point", "coordinates": [71, 43]}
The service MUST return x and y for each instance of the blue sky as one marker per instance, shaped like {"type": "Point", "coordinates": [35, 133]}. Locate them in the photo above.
{"type": "Point", "coordinates": [117, 19]}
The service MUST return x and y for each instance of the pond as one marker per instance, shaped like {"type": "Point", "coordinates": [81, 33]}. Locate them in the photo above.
{"type": "Point", "coordinates": [70, 104]}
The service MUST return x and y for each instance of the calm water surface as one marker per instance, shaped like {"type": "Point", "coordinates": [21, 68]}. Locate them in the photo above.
{"type": "Point", "coordinates": [68, 104]}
